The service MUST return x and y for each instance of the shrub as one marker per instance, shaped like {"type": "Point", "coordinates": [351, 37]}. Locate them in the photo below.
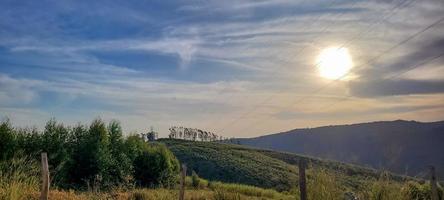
{"type": "Point", "coordinates": [7, 140]}
{"type": "Point", "coordinates": [156, 166]}
{"type": "Point", "coordinates": [413, 191]}
{"type": "Point", "coordinates": [195, 180]}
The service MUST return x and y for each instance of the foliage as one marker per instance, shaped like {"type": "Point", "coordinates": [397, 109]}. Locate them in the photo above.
{"type": "Point", "coordinates": [99, 157]}
{"type": "Point", "coordinates": [194, 134]}
{"type": "Point", "coordinates": [195, 179]}
{"type": "Point", "coordinates": [7, 140]}
{"type": "Point", "coordinates": [156, 165]}
{"type": "Point", "coordinates": [89, 157]}
{"type": "Point", "coordinates": [262, 168]}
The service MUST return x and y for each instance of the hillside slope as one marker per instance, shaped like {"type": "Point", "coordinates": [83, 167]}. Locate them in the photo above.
{"type": "Point", "coordinates": [263, 168]}
{"type": "Point", "coordinates": [403, 147]}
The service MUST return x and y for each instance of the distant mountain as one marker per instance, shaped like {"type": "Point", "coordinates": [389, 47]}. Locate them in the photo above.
{"type": "Point", "coordinates": [403, 147]}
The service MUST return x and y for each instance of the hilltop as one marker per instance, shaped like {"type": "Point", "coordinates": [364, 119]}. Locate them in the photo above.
{"type": "Point", "coordinates": [263, 168]}
{"type": "Point", "coordinates": [403, 147]}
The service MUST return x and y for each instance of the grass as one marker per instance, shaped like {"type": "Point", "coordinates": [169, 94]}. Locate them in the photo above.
{"type": "Point", "coordinates": [234, 164]}
{"type": "Point", "coordinates": [262, 168]}
{"type": "Point", "coordinates": [19, 179]}
{"type": "Point", "coordinates": [321, 185]}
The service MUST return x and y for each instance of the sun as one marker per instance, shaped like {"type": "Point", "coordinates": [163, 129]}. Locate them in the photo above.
{"type": "Point", "coordinates": [334, 62]}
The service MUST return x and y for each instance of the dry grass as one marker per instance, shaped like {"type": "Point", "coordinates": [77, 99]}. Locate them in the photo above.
{"type": "Point", "coordinates": [323, 185]}
{"type": "Point", "coordinates": [18, 179]}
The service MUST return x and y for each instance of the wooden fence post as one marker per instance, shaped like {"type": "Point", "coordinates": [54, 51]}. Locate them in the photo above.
{"type": "Point", "coordinates": [433, 184]}
{"type": "Point", "coordinates": [45, 177]}
{"type": "Point", "coordinates": [182, 182]}
{"type": "Point", "coordinates": [302, 179]}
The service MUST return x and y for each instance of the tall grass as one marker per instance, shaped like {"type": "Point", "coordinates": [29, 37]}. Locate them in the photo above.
{"type": "Point", "coordinates": [323, 185]}
{"type": "Point", "coordinates": [246, 190]}
{"type": "Point", "coordinates": [19, 178]}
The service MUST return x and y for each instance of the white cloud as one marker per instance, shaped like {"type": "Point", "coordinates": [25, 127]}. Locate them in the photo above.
{"type": "Point", "coordinates": [285, 45]}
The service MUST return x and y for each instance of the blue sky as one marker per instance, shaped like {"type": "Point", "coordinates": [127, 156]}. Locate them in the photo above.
{"type": "Point", "coordinates": [239, 68]}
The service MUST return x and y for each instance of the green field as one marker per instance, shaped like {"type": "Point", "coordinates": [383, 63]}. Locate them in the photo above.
{"type": "Point", "coordinates": [264, 168]}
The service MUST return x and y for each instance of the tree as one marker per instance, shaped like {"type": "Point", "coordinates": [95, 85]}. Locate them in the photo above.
{"type": "Point", "coordinates": [156, 165]}
{"type": "Point", "coordinates": [121, 167]}
{"type": "Point", "coordinates": [7, 140]}
{"type": "Point", "coordinates": [151, 135]}
{"type": "Point", "coordinates": [91, 158]}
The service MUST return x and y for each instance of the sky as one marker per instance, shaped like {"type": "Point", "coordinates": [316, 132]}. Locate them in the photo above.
{"type": "Point", "coordinates": [237, 68]}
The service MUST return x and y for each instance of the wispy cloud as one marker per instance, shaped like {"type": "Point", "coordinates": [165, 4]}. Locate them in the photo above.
{"type": "Point", "coordinates": [194, 62]}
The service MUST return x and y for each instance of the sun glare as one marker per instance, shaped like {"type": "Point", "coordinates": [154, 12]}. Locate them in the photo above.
{"type": "Point", "coordinates": [334, 63]}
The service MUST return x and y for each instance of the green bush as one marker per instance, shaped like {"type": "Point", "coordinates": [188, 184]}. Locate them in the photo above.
{"type": "Point", "coordinates": [91, 157]}
{"type": "Point", "coordinates": [7, 140]}
{"type": "Point", "coordinates": [156, 166]}
{"type": "Point", "coordinates": [416, 191]}
{"type": "Point", "coordinates": [195, 179]}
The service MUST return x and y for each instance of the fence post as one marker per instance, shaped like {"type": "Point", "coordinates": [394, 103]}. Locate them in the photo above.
{"type": "Point", "coordinates": [433, 184]}
{"type": "Point", "coordinates": [45, 177]}
{"type": "Point", "coordinates": [302, 179]}
{"type": "Point", "coordinates": [182, 182]}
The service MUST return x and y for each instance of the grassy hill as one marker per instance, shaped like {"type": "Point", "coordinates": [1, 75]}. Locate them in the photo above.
{"type": "Point", "coordinates": [403, 147]}
{"type": "Point", "coordinates": [262, 168]}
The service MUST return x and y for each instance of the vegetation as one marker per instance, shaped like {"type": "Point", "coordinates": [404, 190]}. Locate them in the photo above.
{"type": "Point", "coordinates": [233, 164]}
{"type": "Point", "coordinates": [18, 178]}
{"type": "Point", "coordinates": [20, 181]}
{"type": "Point", "coordinates": [91, 157]}
{"type": "Point", "coordinates": [99, 163]}
{"type": "Point", "coordinates": [262, 168]}
{"type": "Point", "coordinates": [403, 147]}
{"type": "Point", "coordinates": [195, 134]}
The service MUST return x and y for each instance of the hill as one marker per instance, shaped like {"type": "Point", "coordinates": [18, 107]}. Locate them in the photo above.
{"type": "Point", "coordinates": [262, 168]}
{"type": "Point", "coordinates": [403, 147]}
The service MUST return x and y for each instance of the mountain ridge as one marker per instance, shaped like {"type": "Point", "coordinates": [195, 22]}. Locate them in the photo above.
{"type": "Point", "coordinates": [400, 146]}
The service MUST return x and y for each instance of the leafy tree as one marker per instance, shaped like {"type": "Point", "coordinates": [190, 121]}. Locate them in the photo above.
{"type": "Point", "coordinates": [134, 146]}
{"type": "Point", "coordinates": [120, 168]}
{"type": "Point", "coordinates": [53, 141]}
{"type": "Point", "coordinates": [7, 140]}
{"type": "Point", "coordinates": [96, 155]}
{"type": "Point", "coordinates": [156, 165]}
{"type": "Point", "coordinates": [91, 159]}
{"type": "Point", "coordinates": [152, 135]}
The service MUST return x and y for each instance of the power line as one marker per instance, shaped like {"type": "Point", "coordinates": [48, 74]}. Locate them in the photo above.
{"type": "Point", "coordinates": [367, 63]}
{"type": "Point", "coordinates": [274, 72]}
{"type": "Point", "coordinates": [423, 63]}
{"type": "Point", "coordinates": [393, 10]}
